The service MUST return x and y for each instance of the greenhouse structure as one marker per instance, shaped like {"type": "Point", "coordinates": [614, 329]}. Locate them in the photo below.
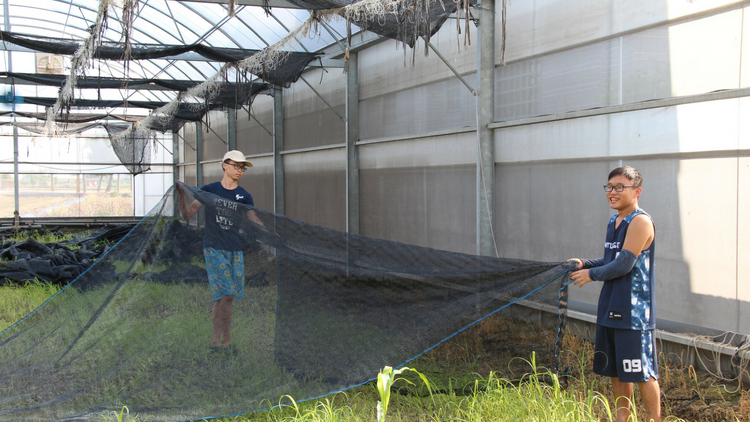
{"type": "Point", "coordinates": [487, 131]}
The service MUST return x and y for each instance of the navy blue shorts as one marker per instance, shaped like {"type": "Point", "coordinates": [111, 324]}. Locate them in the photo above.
{"type": "Point", "coordinates": [629, 355]}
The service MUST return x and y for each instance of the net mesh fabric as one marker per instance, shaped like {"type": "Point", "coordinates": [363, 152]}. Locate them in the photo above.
{"type": "Point", "coordinates": [323, 311]}
{"type": "Point", "coordinates": [402, 20]}
{"type": "Point", "coordinates": [282, 73]}
{"type": "Point", "coordinates": [133, 150]}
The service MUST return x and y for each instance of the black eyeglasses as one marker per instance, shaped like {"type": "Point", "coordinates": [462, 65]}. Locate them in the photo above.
{"type": "Point", "coordinates": [238, 167]}
{"type": "Point", "coordinates": [617, 188]}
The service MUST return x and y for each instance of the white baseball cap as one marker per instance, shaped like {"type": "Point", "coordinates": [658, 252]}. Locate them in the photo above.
{"type": "Point", "coordinates": [237, 157]}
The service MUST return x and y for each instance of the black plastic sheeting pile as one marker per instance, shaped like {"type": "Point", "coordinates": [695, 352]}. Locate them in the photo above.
{"type": "Point", "coordinates": [57, 262]}
{"type": "Point", "coordinates": [323, 311]}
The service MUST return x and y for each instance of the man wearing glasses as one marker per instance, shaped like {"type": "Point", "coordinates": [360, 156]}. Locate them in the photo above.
{"type": "Point", "coordinates": [625, 343]}
{"type": "Point", "coordinates": [222, 247]}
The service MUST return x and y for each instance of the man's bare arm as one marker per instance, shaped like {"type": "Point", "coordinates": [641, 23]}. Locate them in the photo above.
{"type": "Point", "coordinates": [187, 211]}
{"type": "Point", "coordinates": [254, 218]}
{"type": "Point", "coordinates": [640, 235]}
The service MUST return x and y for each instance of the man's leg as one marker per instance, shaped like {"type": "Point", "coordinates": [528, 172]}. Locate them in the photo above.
{"type": "Point", "coordinates": [623, 396]}
{"type": "Point", "coordinates": [651, 396]}
{"type": "Point", "coordinates": [216, 325]}
{"type": "Point", "coordinates": [226, 319]}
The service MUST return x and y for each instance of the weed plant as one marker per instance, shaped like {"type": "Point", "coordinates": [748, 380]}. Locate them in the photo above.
{"type": "Point", "coordinates": [44, 236]}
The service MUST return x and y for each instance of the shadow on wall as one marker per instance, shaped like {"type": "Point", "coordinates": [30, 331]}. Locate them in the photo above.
{"type": "Point", "coordinates": [549, 201]}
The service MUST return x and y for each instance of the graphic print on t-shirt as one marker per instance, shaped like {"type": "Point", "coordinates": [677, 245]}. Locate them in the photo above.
{"type": "Point", "coordinates": [224, 211]}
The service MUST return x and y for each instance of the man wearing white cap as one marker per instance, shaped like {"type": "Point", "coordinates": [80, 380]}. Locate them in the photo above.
{"type": "Point", "coordinates": [222, 247]}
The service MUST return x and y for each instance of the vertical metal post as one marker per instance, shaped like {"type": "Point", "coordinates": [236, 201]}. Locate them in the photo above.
{"type": "Point", "coordinates": [278, 147]}
{"type": "Point", "coordinates": [175, 157]}
{"type": "Point", "coordinates": [485, 141]}
{"type": "Point", "coordinates": [17, 212]}
{"type": "Point", "coordinates": [231, 128]}
{"type": "Point", "coordinates": [352, 136]}
{"type": "Point", "coordinates": [175, 171]}
{"type": "Point", "coordinates": [199, 153]}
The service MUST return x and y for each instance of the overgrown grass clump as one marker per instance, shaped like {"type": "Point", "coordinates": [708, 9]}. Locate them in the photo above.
{"type": "Point", "coordinates": [493, 399]}
{"type": "Point", "coordinates": [17, 301]}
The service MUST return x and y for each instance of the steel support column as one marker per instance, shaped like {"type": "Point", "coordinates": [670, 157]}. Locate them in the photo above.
{"type": "Point", "coordinates": [16, 191]}
{"type": "Point", "coordinates": [352, 136]}
{"type": "Point", "coordinates": [199, 154]}
{"type": "Point", "coordinates": [175, 171]}
{"type": "Point", "coordinates": [231, 128]}
{"type": "Point", "coordinates": [485, 141]}
{"type": "Point", "coordinates": [278, 147]}
{"type": "Point", "coordinates": [17, 212]}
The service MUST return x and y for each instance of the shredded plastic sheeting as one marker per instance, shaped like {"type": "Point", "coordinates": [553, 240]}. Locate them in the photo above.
{"type": "Point", "coordinates": [323, 311]}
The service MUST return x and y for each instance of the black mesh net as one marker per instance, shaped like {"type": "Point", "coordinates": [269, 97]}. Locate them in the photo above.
{"type": "Point", "coordinates": [40, 128]}
{"type": "Point", "coordinates": [71, 123]}
{"type": "Point", "coordinates": [323, 311]}
{"type": "Point", "coordinates": [233, 95]}
{"type": "Point", "coordinates": [133, 149]}
{"type": "Point", "coordinates": [282, 73]}
{"type": "Point", "coordinates": [413, 19]}
{"type": "Point", "coordinates": [74, 117]}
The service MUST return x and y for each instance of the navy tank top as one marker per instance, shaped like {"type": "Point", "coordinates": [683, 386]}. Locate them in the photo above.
{"type": "Point", "coordinates": [627, 302]}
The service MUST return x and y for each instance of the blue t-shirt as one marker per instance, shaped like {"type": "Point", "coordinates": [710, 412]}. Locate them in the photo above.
{"type": "Point", "coordinates": [222, 217]}
{"type": "Point", "coordinates": [627, 302]}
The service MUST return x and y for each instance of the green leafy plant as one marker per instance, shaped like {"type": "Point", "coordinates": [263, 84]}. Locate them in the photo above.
{"type": "Point", "coordinates": [39, 236]}
{"type": "Point", "coordinates": [123, 416]}
{"type": "Point", "coordinates": [386, 378]}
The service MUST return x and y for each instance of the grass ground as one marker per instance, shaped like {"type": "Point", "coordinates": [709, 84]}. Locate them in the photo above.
{"type": "Point", "coordinates": [492, 372]}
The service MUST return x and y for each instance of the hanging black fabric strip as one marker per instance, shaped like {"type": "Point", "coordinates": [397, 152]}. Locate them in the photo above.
{"type": "Point", "coordinates": [228, 95]}
{"type": "Point", "coordinates": [283, 74]}
{"type": "Point", "coordinates": [172, 125]}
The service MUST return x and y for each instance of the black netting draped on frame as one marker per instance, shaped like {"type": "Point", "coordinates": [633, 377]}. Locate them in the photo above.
{"type": "Point", "coordinates": [73, 123]}
{"type": "Point", "coordinates": [233, 95]}
{"type": "Point", "coordinates": [414, 18]}
{"type": "Point", "coordinates": [40, 128]}
{"type": "Point", "coordinates": [322, 311]}
{"type": "Point", "coordinates": [133, 149]}
{"type": "Point", "coordinates": [282, 73]}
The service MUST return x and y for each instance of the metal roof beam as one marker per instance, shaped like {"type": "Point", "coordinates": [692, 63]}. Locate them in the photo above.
{"type": "Point", "coordinates": [333, 55]}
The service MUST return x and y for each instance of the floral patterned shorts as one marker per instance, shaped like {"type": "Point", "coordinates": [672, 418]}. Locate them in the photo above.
{"type": "Point", "coordinates": [226, 273]}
